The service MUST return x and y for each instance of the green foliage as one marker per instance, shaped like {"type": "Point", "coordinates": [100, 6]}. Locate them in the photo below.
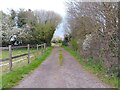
{"type": "Point", "coordinates": [66, 40]}
{"type": "Point", "coordinates": [33, 27]}
{"type": "Point", "coordinates": [11, 78]}
{"type": "Point", "coordinates": [74, 44]}
{"type": "Point", "coordinates": [94, 30]}
{"type": "Point", "coordinates": [56, 39]}
{"type": "Point", "coordinates": [22, 18]}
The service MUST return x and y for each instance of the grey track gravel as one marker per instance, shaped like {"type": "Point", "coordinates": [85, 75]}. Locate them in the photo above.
{"type": "Point", "coordinates": [51, 75]}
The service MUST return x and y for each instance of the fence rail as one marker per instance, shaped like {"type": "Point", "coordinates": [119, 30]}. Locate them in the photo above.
{"type": "Point", "coordinates": [19, 47]}
{"type": "Point", "coordinates": [4, 59]}
{"type": "Point", "coordinates": [7, 48]}
{"type": "Point", "coordinates": [21, 55]}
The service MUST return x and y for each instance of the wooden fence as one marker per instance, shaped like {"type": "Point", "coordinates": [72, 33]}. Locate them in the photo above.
{"type": "Point", "coordinates": [43, 46]}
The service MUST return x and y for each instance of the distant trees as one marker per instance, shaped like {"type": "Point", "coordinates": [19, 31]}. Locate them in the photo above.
{"type": "Point", "coordinates": [7, 28]}
{"type": "Point", "coordinates": [67, 39]}
{"type": "Point", "coordinates": [93, 27]}
{"type": "Point", "coordinates": [29, 26]}
{"type": "Point", "coordinates": [47, 24]}
{"type": "Point", "coordinates": [56, 39]}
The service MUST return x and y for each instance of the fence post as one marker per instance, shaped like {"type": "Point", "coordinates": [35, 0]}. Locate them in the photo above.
{"type": "Point", "coordinates": [28, 47]}
{"type": "Point", "coordinates": [44, 45]}
{"type": "Point", "coordinates": [41, 48]}
{"type": "Point", "coordinates": [10, 57]}
{"type": "Point", "coordinates": [37, 47]}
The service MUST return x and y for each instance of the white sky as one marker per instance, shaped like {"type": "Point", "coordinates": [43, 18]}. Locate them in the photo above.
{"type": "Point", "coordinates": [55, 5]}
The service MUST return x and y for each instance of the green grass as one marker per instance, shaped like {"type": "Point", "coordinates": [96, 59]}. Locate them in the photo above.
{"type": "Point", "coordinates": [16, 52]}
{"type": "Point", "coordinates": [60, 57]}
{"type": "Point", "coordinates": [60, 51]}
{"type": "Point", "coordinates": [11, 78]}
{"type": "Point", "coordinates": [94, 67]}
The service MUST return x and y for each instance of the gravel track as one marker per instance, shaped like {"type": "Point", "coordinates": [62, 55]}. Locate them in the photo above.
{"type": "Point", "coordinates": [51, 75]}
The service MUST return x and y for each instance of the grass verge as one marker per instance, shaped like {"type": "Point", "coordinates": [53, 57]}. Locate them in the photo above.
{"type": "Point", "coordinates": [60, 57]}
{"type": "Point", "coordinates": [95, 68]}
{"type": "Point", "coordinates": [11, 78]}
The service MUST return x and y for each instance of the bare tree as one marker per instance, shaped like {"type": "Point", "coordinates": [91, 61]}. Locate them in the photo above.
{"type": "Point", "coordinates": [94, 26]}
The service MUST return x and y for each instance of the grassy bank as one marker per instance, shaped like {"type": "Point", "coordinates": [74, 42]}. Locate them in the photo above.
{"type": "Point", "coordinates": [11, 78]}
{"type": "Point", "coordinates": [96, 68]}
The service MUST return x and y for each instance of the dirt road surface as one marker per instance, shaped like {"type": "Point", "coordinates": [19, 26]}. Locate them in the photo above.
{"type": "Point", "coordinates": [51, 75]}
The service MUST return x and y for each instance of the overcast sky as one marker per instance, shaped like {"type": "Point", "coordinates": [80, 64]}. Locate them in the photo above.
{"type": "Point", "coordinates": [56, 5]}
